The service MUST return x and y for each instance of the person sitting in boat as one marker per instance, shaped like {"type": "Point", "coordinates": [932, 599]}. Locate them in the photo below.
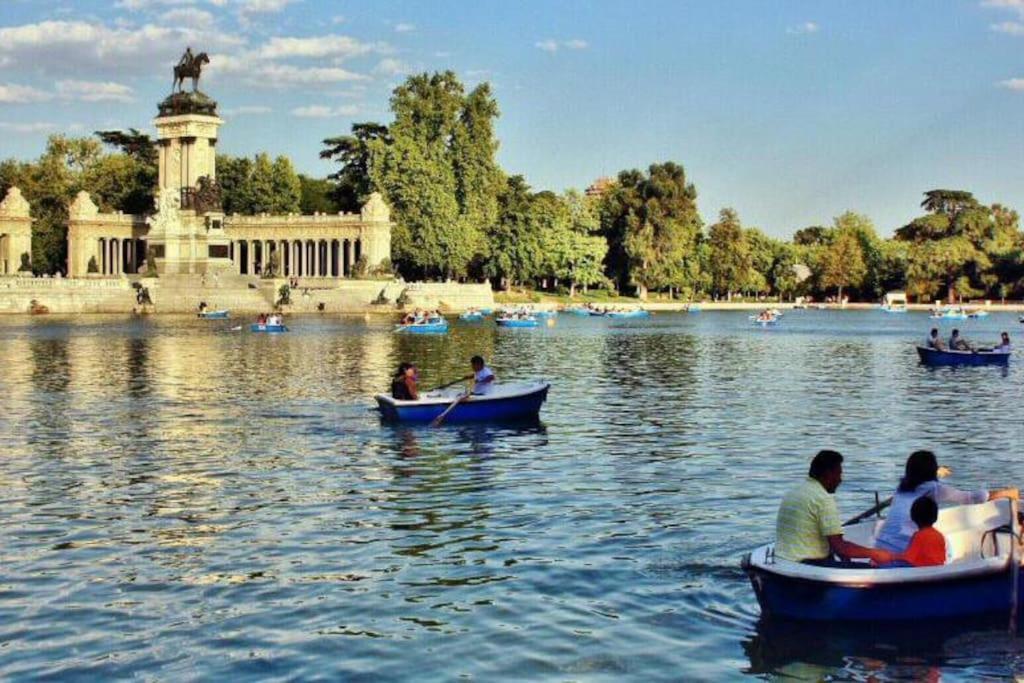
{"type": "Point", "coordinates": [202, 307]}
{"type": "Point", "coordinates": [958, 343]}
{"type": "Point", "coordinates": [483, 377]}
{"type": "Point", "coordinates": [274, 320]}
{"type": "Point", "coordinates": [261, 319]}
{"type": "Point", "coordinates": [403, 384]}
{"type": "Point", "coordinates": [933, 341]}
{"type": "Point", "coordinates": [1004, 344]}
{"type": "Point", "coordinates": [921, 478]}
{"type": "Point", "coordinates": [808, 529]}
{"type": "Point", "coordinates": [927, 546]}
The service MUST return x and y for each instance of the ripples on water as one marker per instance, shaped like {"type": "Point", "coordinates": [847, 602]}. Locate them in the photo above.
{"type": "Point", "coordinates": [183, 501]}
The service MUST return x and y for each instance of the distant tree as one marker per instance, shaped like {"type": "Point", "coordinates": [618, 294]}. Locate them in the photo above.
{"type": "Point", "coordinates": [843, 264]}
{"type": "Point", "coordinates": [730, 260]}
{"type": "Point", "coordinates": [132, 142]}
{"type": "Point", "coordinates": [947, 245]}
{"type": "Point", "coordinates": [233, 176]}
{"type": "Point", "coordinates": [286, 189]}
{"type": "Point", "coordinates": [316, 195]}
{"type": "Point", "coordinates": [353, 180]}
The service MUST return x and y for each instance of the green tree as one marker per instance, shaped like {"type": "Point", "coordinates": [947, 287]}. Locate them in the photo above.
{"type": "Point", "coordinates": [729, 258]}
{"type": "Point", "coordinates": [233, 176]}
{"type": "Point", "coordinates": [843, 263]}
{"type": "Point", "coordinates": [946, 246]}
{"type": "Point", "coordinates": [286, 190]}
{"type": "Point", "coordinates": [353, 180]}
{"type": "Point", "coordinates": [261, 184]}
{"type": "Point", "coordinates": [516, 241]}
{"type": "Point", "coordinates": [316, 195]}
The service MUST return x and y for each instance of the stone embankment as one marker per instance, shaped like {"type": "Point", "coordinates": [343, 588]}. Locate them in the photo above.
{"type": "Point", "coordinates": [240, 294]}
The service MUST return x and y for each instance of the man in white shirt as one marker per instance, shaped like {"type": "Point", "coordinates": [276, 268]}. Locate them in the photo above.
{"type": "Point", "coordinates": [483, 377]}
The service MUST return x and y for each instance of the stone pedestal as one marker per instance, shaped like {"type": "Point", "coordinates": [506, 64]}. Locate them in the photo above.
{"type": "Point", "coordinates": [15, 233]}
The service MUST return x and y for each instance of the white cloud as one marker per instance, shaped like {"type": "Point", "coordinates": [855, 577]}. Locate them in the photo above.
{"type": "Point", "coordinates": [803, 28]}
{"type": "Point", "coordinates": [12, 93]}
{"type": "Point", "coordinates": [247, 110]}
{"type": "Point", "coordinates": [136, 5]}
{"type": "Point", "coordinates": [36, 127]}
{"type": "Point", "coordinates": [551, 45]}
{"type": "Point", "coordinates": [93, 91]}
{"type": "Point", "coordinates": [547, 45]}
{"type": "Point", "coordinates": [67, 47]}
{"type": "Point", "coordinates": [1008, 5]}
{"type": "Point", "coordinates": [247, 7]}
{"type": "Point", "coordinates": [319, 111]}
{"type": "Point", "coordinates": [338, 19]}
{"type": "Point", "coordinates": [274, 75]}
{"type": "Point", "coordinates": [188, 16]}
{"type": "Point", "coordinates": [1012, 84]}
{"type": "Point", "coordinates": [389, 66]}
{"type": "Point", "coordinates": [339, 47]}
{"type": "Point", "coordinates": [576, 44]}
{"type": "Point", "coordinates": [442, 54]}
{"type": "Point", "coordinates": [1013, 28]}
{"type": "Point", "coordinates": [404, 27]}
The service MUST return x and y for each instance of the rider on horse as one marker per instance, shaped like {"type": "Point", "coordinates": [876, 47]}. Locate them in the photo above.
{"type": "Point", "coordinates": [187, 58]}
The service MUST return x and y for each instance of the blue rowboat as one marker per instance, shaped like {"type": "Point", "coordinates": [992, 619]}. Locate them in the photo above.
{"type": "Point", "coordinates": [432, 326]}
{"type": "Point", "coordinates": [269, 329]}
{"type": "Point", "coordinates": [578, 310]}
{"type": "Point", "coordinates": [934, 357]}
{"type": "Point", "coordinates": [214, 315]}
{"type": "Point", "coordinates": [978, 314]}
{"type": "Point", "coordinates": [503, 402]}
{"type": "Point", "coordinates": [638, 313]}
{"type": "Point", "coordinates": [693, 308]}
{"type": "Point", "coordinates": [763, 323]}
{"type": "Point", "coordinates": [894, 309]}
{"type": "Point", "coordinates": [977, 579]}
{"type": "Point", "coordinates": [517, 322]}
{"type": "Point", "coordinates": [473, 317]}
{"type": "Point", "coordinates": [487, 311]}
{"type": "Point", "coordinates": [545, 314]}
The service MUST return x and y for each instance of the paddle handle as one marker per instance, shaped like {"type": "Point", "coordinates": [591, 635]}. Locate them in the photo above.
{"type": "Point", "coordinates": [878, 507]}
{"type": "Point", "coordinates": [445, 386]}
{"type": "Point", "coordinates": [440, 418]}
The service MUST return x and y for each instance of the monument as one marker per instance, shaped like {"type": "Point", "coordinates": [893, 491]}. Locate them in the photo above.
{"type": "Point", "coordinates": [186, 235]}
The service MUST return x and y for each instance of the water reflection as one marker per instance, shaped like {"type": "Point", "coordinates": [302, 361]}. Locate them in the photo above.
{"type": "Point", "coordinates": [233, 498]}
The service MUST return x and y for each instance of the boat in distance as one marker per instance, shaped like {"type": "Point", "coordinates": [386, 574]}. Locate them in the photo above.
{"type": "Point", "coordinates": [935, 357]}
{"type": "Point", "coordinates": [977, 578]}
{"type": "Point", "coordinates": [432, 326]}
{"type": "Point", "coordinates": [269, 329]}
{"type": "Point", "coordinates": [214, 315]}
{"type": "Point", "coordinates": [506, 401]}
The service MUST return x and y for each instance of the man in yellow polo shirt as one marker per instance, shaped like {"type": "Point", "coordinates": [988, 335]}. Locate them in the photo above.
{"type": "Point", "coordinates": [808, 529]}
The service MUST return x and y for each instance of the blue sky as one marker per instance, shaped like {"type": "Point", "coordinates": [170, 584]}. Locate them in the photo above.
{"type": "Point", "coordinates": [791, 112]}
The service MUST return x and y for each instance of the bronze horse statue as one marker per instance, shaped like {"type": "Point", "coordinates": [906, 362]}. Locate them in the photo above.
{"type": "Point", "coordinates": [192, 69]}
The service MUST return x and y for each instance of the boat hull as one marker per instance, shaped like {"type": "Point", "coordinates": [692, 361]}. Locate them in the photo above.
{"type": "Point", "coordinates": [935, 358]}
{"type": "Point", "coordinates": [523, 406]}
{"type": "Point", "coordinates": [471, 317]}
{"type": "Point", "coordinates": [628, 314]}
{"type": "Point", "coordinates": [214, 315]}
{"type": "Point", "coordinates": [795, 598]}
{"type": "Point", "coordinates": [440, 328]}
{"type": "Point", "coordinates": [268, 329]}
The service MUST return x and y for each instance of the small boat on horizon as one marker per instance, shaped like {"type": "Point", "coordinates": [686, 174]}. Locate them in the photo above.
{"type": "Point", "coordinates": [428, 326]}
{"type": "Point", "coordinates": [268, 328]}
{"type": "Point", "coordinates": [214, 315]}
{"type": "Point", "coordinates": [517, 321]}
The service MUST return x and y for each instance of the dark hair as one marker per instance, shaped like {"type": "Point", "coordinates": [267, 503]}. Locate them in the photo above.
{"type": "Point", "coordinates": [935, 331]}
{"type": "Point", "coordinates": [477, 360]}
{"type": "Point", "coordinates": [924, 512]}
{"type": "Point", "coordinates": [921, 467]}
{"type": "Point", "coordinates": [824, 462]}
{"type": "Point", "coordinates": [402, 367]}
{"type": "Point", "coordinates": [956, 331]}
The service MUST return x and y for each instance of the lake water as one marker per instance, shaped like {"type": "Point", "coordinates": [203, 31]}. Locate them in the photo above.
{"type": "Point", "coordinates": [181, 501]}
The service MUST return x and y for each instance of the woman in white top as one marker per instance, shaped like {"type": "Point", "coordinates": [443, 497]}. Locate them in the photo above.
{"type": "Point", "coordinates": [921, 479]}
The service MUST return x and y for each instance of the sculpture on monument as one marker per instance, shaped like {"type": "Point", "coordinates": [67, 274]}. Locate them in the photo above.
{"type": "Point", "coordinates": [189, 66]}
{"type": "Point", "coordinates": [207, 196]}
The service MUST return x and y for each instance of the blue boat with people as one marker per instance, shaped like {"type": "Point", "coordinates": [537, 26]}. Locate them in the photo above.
{"type": "Point", "coordinates": [214, 315]}
{"type": "Point", "coordinates": [935, 357]}
{"type": "Point", "coordinates": [980, 576]}
{"type": "Point", "coordinates": [506, 401]}
{"type": "Point", "coordinates": [268, 328]}
{"type": "Point", "coordinates": [517, 321]}
{"type": "Point", "coordinates": [633, 313]}
{"type": "Point", "coordinates": [428, 326]}
{"type": "Point", "coordinates": [471, 316]}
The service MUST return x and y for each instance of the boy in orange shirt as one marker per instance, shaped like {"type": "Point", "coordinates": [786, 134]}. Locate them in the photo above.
{"type": "Point", "coordinates": [928, 546]}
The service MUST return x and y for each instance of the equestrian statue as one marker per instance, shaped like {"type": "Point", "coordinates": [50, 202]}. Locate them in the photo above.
{"type": "Point", "coordinates": [189, 66]}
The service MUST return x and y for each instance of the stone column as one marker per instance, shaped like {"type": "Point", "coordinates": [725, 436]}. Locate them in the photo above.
{"type": "Point", "coordinates": [348, 258]}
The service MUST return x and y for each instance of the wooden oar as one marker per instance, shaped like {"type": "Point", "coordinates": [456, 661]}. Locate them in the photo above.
{"type": "Point", "coordinates": [440, 418]}
{"type": "Point", "coordinates": [878, 507]}
{"type": "Point", "coordinates": [445, 386]}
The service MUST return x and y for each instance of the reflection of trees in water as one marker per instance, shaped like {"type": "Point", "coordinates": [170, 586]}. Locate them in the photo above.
{"type": "Point", "coordinates": [443, 358]}
{"type": "Point", "coordinates": [656, 373]}
{"type": "Point", "coordinates": [51, 403]}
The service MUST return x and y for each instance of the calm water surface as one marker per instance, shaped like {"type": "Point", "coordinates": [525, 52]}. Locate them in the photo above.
{"type": "Point", "coordinates": [184, 501]}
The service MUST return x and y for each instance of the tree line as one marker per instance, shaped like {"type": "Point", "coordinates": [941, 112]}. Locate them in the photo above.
{"type": "Point", "coordinates": [459, 215]}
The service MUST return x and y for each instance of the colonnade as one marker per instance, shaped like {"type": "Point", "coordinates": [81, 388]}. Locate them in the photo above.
{"type": "Point", "coordinates": [297, 258]}
{"type": "Point", "coordinates": [116, 256]}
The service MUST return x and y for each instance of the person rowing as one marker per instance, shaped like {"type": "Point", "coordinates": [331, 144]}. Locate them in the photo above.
{"type": "Point", "coordinates": [933, 341]}
{"type": "Point", "coordinates": [482, 377]}
{"type": "Point", "coordinates": [958, 343]}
